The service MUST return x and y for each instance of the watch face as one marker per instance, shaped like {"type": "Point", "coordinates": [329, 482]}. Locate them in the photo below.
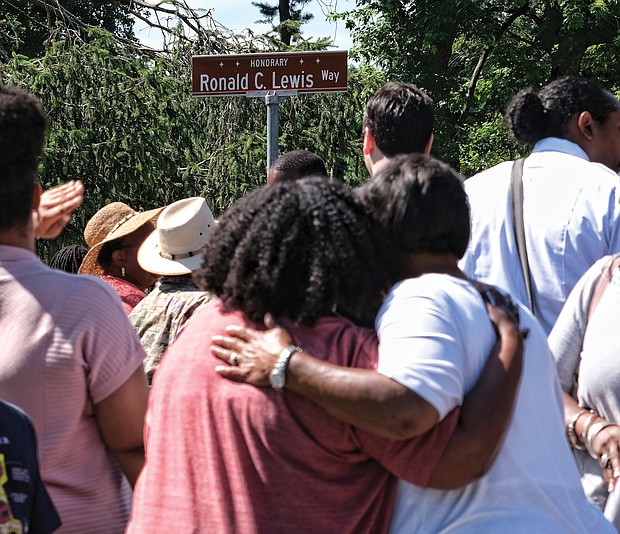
{"type": "Point", "coordinates": [276, 379]}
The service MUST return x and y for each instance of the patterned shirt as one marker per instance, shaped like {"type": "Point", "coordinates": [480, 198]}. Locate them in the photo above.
{"type": "Point", "coordinates": [160, 317]}
{"type": "Point", "coordinates": [25, 505]}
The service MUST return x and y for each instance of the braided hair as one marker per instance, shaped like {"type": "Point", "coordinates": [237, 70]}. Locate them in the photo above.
{"type": "Point", "coordinates": [298, 250]}
{"type": "Point", "coordinates": [69, 258]}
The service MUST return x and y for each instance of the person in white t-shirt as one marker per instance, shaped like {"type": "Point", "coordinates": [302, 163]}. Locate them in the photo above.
{"type": "Point", "coordinates": [433, 341]}
{"type": "Point", "coordinates": [571, 195]}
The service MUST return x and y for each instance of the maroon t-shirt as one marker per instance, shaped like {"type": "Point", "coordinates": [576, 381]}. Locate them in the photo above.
{"type": "Point", "coordinates": [223, 457]}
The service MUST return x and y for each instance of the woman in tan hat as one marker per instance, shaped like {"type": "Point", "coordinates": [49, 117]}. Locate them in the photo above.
{"type": "Point", "coordinates": [114, 235]}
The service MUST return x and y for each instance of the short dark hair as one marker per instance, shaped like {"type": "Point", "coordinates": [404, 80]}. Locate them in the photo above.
{"type": "Point", "coordinates": [422, 203]}
{"type": "Point", "coordinates": [22, 132]}
{"type": "Point", "coordinates": [400, 117]}
{"type": "Point", "coordinates": [299, 164]}
{"type": "Point", "coordinates": [533, 116]}
{"type": "Point", "coordinates": [299, 250]}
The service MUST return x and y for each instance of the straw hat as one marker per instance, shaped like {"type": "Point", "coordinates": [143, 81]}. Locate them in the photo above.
{"type": "Point", "coordinates": [175, 247]}
{"type": "Point", "coordinates": [111, 222]}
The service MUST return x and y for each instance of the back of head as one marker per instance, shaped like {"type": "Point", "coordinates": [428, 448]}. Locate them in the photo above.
{"type": "Point", "coordinates": [533, 116]}
{"type": "Point", "coordinates": [400, 117]}
{"type": "Point", "coordinates": [69, 258]}
{"type": "Point", "coordinates": [294, 165]}
{"type": "Point", "coordinates": [22, 132]}
{"type": "Point", "coordinates": [297, 250]}
{"type": "Point", "coordinates": [421, 202]}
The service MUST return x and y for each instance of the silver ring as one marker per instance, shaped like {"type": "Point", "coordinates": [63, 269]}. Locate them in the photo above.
{"type": "Point", "coordinates": [605, 461]}
{"type": "Point", "coordinates": [232, 359]}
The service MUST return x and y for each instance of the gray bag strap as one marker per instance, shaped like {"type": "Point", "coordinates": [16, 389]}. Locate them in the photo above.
{"type": "Point", "coordinates": [516, 186]}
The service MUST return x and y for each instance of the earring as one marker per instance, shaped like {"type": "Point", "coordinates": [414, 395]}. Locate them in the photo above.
{"type": "Point", "coordinates": [123, 272]}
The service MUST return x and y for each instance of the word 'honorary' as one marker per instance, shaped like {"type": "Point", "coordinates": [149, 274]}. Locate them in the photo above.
{"type": "Point", "coordinates": [309, 72]}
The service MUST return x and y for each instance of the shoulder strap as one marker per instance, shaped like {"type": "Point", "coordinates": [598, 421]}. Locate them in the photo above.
{"type": "Point", "coordinates": [602, 282]}
{"type": "Point", "coordinates": [516, 186]}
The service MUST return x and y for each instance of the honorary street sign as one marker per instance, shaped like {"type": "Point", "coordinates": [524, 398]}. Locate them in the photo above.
{"type": "Point", "coordinates": [240, 74]}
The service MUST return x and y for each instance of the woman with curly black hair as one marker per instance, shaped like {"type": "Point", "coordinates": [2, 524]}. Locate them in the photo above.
{"type": "Point", "coordinates": [228, 458]}
{"type": "Point", "coordinates": [299, 252]}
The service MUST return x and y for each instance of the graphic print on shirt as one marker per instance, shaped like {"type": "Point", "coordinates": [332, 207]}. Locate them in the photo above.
{"type": "Point", "coordinates": [8, 524]}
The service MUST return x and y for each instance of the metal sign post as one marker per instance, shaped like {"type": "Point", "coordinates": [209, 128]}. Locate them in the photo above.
{"type": "Point", "coordinates": [271, 76]}
{"type": "Point", "coordinates": [273, 102]}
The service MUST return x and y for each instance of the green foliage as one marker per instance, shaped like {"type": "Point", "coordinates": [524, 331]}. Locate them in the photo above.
{"type": "Point", "coordinates": [487, 145]}
{"type": "Point", "coordinates": [472, 56]}
{"type": "Point", "coordinates": [34, 19]}
{"type": "Point", "coordinates": [124, 122]}
{"type": "Point", "coordinates": [122, 118]}
{"type": "Point", "coordinates": [285, 17]}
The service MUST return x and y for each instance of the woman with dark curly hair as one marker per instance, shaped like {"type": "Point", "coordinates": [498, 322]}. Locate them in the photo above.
{"type": "Point", "coordinates": [228, 458]}
{"type": "Point", "coordinates": [570, 191]}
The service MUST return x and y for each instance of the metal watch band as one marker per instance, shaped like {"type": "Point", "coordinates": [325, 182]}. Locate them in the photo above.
{"type": "Point", "coordinates": [277, 377]}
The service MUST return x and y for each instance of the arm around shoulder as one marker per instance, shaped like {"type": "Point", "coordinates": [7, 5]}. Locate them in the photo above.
{"type": "Point", "coordinates": [363, 398]}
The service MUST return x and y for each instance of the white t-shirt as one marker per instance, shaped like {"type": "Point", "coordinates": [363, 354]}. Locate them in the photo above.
{"type": "Point", "coordinates": [435, 336]}
{"type": "Point", "coordinates": [571, 211]}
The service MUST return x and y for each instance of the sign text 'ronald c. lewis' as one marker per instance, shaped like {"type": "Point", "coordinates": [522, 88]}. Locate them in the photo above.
{"type": "Point", "coordinates": [304, 72]}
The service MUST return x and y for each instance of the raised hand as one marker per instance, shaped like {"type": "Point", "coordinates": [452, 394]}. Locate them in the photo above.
{"type": "Point", "coordinates": [55, 208]}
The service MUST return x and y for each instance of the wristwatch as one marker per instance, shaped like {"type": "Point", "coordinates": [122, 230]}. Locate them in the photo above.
{"type": "Point", "coordinates": [277, 377]}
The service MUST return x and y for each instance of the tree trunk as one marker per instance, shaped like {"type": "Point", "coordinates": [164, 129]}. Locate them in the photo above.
{"type": "Point", "coordinates": [284, 10]}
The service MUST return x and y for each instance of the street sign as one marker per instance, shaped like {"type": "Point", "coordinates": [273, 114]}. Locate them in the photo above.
{"type": "Point", "coordinates": [283, 73]}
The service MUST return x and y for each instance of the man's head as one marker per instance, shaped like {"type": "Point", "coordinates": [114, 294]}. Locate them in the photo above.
{"type": "Point", "coordinates": [299, 250]}
{"type": "Point", "coordinates": [398, 120]}
{"type": "Point", "coordinates": [295, 165]}
{"type": "Point", "coordinates": [573, 108]}
{"type": "Point", "coordinates": [421, 202]}
{"type": "Point", "coordinates": [22, 133]}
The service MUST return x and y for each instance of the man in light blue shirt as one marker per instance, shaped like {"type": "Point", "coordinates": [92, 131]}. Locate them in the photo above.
{"type": "Point", "coordinates": [571, 193]}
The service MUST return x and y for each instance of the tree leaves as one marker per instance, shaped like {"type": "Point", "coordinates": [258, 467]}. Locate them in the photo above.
{"type": "Point", "coordinates": [472, 56]}
{"type": "Point", "coordinates": [124, 122]}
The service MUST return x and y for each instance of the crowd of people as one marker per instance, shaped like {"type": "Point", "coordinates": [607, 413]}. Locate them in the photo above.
{"type": "Point", "coordinates": [422, 354]}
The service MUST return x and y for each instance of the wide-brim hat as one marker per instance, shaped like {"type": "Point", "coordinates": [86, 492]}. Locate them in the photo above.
{"type": "Point", "coordinates": [111, 222]}
{"type": "Point", "coordinates": [175, 247]}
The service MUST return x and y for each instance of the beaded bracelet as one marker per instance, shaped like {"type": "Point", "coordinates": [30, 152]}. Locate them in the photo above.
{"type": "Point", "coordinates": [592, 433]}
{"type": "Point", "coordinates": [570, 431]}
